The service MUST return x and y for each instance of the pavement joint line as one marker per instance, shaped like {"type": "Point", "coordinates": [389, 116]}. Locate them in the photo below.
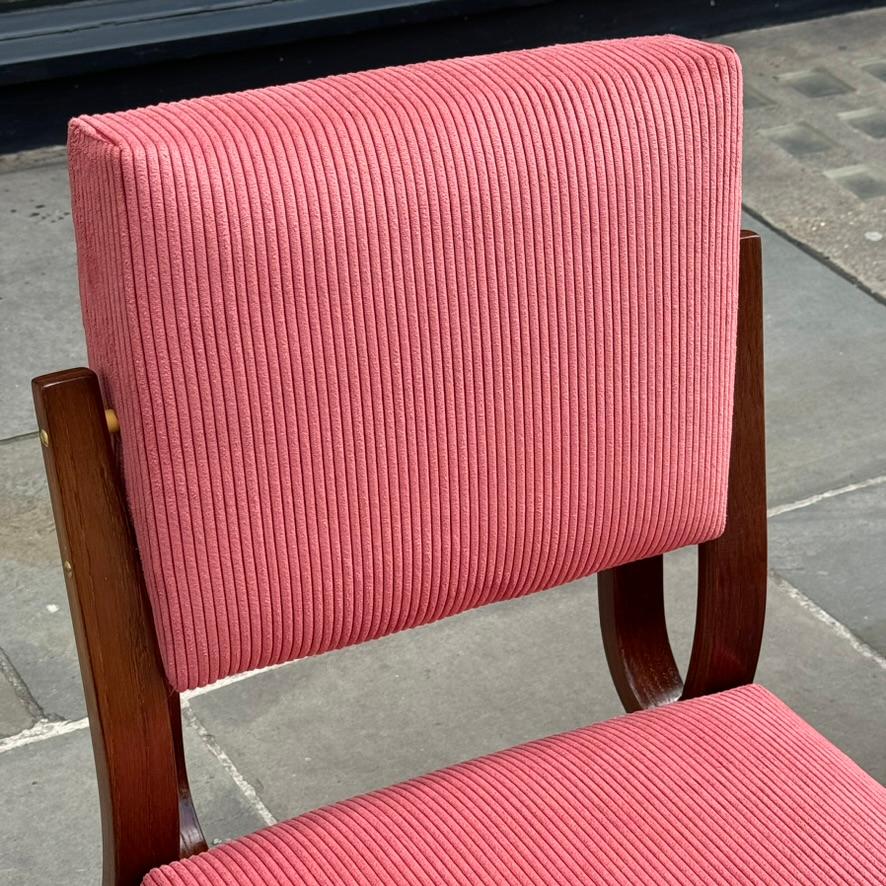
{"type": "Point", "coordinates": [42, 730]}
{"type": "Point", "coordinates": [233, 678]}
{"type": "Point", "coordinates": [820, 257]}
{"type": "Point", "coordinates": [837, 627]}
{"type": "Point", "coordinates": [8, 669]}
{"type": "Point", "coordinates": [778, 510]}
{"type": "Point", "coordinates": [15, 438]}
{"type": "Point", "coordinates": [248, 791]}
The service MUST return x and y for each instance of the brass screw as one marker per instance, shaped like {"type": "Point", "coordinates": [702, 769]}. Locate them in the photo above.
{"type": "Point", "coordinates": [44, 437]}
{"type": "Point", "coordinates": [69, 569]}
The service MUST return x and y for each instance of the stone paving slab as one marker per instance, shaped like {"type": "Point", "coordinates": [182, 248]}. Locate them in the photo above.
{"type": "Point", "coordinates": [323, 729]}
{"type": "Point", "coordinates": [40, 325]}
{"type": "Point", "coordinates": [51, 831]}
{"type": "Point", "coordinates": [14, 715]}
{"type": "Point", "coordinates": [327, 728]}
{"type": "Point", "coordinates": [834, 551]}
{"type": "Point", "coordinates": [815, 136]}
{"type": "Point", "coordinates": [223, 811]}
{"type": "Point", "coordinates": [35, 621]}
{"type": "Point", "coordinates": [825, 350]}
{"type": "Point", "coordinates": [818, 674]}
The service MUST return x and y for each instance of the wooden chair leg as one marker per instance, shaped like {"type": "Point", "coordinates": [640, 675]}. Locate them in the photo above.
{"type": "Point", "coordinates": [134, 717]}
{"type": "Point", "coordinates": [732, 569]}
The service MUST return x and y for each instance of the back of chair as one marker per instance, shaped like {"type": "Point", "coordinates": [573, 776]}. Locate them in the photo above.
{"type": "Point", "coordinates": [391, 345]}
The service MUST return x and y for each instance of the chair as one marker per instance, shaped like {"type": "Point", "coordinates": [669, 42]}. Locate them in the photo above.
{"type": "Point", "coordinates": [376, 349]}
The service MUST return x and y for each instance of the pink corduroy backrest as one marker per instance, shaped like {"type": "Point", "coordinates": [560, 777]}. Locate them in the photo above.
{"type": "Point", "coordinates": [392, 345]}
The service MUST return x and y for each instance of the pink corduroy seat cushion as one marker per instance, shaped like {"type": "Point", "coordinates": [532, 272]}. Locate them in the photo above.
{"type": "Point", "coordinates": [391, 345]}
{"type": "Point", "coordinates": [731, 788]}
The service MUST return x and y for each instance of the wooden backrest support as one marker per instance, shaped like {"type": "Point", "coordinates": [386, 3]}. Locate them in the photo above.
{"type": "Point", "coordinates": [663, 274]}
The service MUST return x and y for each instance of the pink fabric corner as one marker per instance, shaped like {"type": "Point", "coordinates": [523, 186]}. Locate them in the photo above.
{"type": "Point", "coordinates": [733, 788]}
{"type": "Point", "coordinates": [392, 345]}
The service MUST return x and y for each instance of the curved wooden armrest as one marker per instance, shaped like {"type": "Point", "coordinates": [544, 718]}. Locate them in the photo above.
{"type": "Point", "coordinates": [732, 569]}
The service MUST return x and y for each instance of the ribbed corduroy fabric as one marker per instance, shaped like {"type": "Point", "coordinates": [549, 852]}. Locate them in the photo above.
{"type": "Point", "coordinates": [391, 345]}
{"type": "Point", "coordinates": [728, 789]}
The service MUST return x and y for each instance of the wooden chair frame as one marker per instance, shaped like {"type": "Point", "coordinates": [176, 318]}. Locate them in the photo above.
{"type": "Point", "coordinates": [147, 814]}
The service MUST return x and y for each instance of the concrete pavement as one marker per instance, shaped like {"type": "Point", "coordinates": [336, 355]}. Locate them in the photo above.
{"type": "Point", "coordinates": [276, 743]}
{"type": "Point", "coordinates": [815, 136]}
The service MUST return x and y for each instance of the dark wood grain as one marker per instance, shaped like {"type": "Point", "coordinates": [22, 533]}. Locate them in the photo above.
{"type": "Point", "coordinates": [635, 636]}
{"type": "Point", "coordinates": [732, 569]}
{"type": "Point", "coordinates": [143, 793]}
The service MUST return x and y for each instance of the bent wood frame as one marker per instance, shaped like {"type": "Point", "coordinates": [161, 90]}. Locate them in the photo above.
{"type": "Point", "coordinates": [732, 569]}
{"type": "Point", "coordinates": [148, 818]}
